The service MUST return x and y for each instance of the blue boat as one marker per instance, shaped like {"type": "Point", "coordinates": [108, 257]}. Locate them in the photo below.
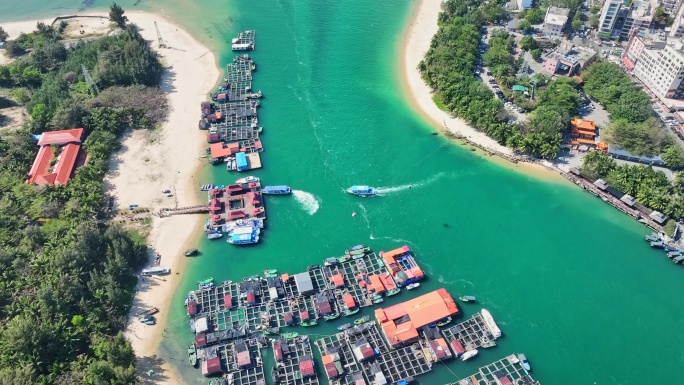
{"type": "Point", "coordinates": [276, 190]}
{"type": "Point", "coordinates": [362, 191]}
{"type": "Point", "coordinates": [670, 249]}
{"type": "Point", "coordinates": [244, 238]}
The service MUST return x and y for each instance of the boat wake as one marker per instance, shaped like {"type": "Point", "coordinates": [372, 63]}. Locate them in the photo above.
{"type": "Point", "coordinates": [308, 201]}
{"type": "Point", "coordinates": [423, 183]}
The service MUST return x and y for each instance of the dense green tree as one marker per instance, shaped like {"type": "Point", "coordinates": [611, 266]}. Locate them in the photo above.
{"type": "Point", "coordinates": [116, 15]}
{"type": "Point", "coordinates": [548, 120]}
{"type": "Point", "coordinates": [534, 15]}
{"type": "Point", "coordinates": [536, 54]}
{"type": "Point", "coordinates": [576, 23]}
{"type": "Point", "coordinates": [594, 21]}
{"type": "Point", "coordinates": [673, 155]}
{"type": "Point", "coordinates": [524, 25]}
{"type": "Point", "coordinates": [3, 34]}
{"type": "Point", "coordinates": [528, 43]}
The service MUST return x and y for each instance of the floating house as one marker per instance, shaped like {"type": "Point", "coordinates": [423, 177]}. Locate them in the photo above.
{"type": "Point", "coordinates": [331, 363]}
{"type": "Point", "coordinates": [304, 283]}
{"type": "Point", "coordinates": [58, 157]}
{"type": "Point", "coordinates": [402, 322]}
{"type": "Point", "coordinates": [306, 366]}
{"type": "Point", "coordinates": [402, 266]}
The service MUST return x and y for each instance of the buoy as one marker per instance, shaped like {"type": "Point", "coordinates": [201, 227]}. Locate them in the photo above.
{"type": "Point", "coordinates": [353, 214]}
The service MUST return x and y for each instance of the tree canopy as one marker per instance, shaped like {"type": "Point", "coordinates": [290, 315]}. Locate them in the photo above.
{"type": "Point", "coordinates": [116, 15]}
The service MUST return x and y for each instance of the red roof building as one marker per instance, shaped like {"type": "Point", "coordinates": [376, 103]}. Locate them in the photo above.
{"type": "Point", "coordinates": [211, 366]}
{"type": "Point", "coordinates": [244, 359]}
{"type": "Point", "coordinates": [45, 169]}
{"type": "Point", "coordinates": [337, 280]}
{"type": "Point", "coordinates": [306, 367]}
{"type": "Point", "coordinates": [192, 308]}
{"type": "Point", "coordinates": [218, 150]}
{"type": "Point", "coordinates": [413, 315]}
{"type": "Point", "coordinates": [228, 301]}
{"type": "Point", "coordinates": [200, 340]}
{"type": "Point", "coordinates": [349, 302]}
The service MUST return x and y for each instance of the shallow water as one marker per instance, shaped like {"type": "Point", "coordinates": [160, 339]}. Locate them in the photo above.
{"type": "Point", "coordinates": [568, 278]}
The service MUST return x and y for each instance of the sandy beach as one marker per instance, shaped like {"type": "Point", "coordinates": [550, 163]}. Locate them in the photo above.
{"type": "Point", "coordinates": [149, 162]}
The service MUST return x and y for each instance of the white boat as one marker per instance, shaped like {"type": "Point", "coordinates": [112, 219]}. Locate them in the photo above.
{"type": "Point", "coordinates": [523, 361]}
{"type": "Point", "coordinates": [412, 286]}
{"type": "Point", "coordinates": [214, 235]}
{"type": "Point", "coordinates": [362, 191]}
{"type": "Point", "coordinates": [469, 354]}
{"type": "Point", "coordinates": [156, 270]}
{"type": "Point", "coordinates": [247, 179]}
{"type": "Point", "coordinates": [491, 325]}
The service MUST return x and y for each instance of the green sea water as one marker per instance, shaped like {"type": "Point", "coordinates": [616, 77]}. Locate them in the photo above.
{"type": "Point", "coordinates": [568, 278]}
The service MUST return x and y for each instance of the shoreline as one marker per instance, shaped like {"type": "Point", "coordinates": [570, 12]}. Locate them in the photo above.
{"type": "Point", "coordinates": [151, 161]}
{"type": "Point", "coordinates": [416, 38]}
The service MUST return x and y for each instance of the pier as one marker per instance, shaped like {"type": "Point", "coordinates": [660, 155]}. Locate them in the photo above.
{"type": "Point", "coordinates": [169, 211]}
{"type": "Point", "coordinates": [471, 333]}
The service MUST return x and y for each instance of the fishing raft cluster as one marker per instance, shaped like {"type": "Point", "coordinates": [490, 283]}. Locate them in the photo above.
{"type": "Point", "coordinates": [234, 321]}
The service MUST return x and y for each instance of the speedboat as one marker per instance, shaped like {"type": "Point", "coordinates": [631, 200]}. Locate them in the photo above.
{"type": "Point", "coordinates": [412, 286]}
{"type": "Point", "coordinates": [524, 362]}
{"type": "Point", "coordinates": [490, 324]}
{"type": "Point", "coordinates": [468, 355]}
{"type": "Point", "coordinates": [344, 327]}
{"type": "Point", "coordinates": [190, 252]}
{"type": "Point", "coordinates": [467, 298]}
{"type": "Point", "coordinates": [276, 190]}
{"type": "Point", "coordinates": [247, 179]}
{"type": "Point", "coordinates": [214, 235]}
{"type": "Point", "coordinates": [362, 191]}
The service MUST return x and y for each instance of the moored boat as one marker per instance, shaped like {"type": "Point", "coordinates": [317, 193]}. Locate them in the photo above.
{"type": "Point", "coordinates": [190, 252]}
{"type": "Point", "coordinates": [444, 322]}
{"type": "Point", "coordinates": [192, 354]}
{"type": "Point", "coordinates": [361, 320]}
{"type": "Point", "coordinates": [469, 354]}
{"type": "Point", "coordinates": [392, 292]}
{"type": "Point", "coordinates": [276, 190]}
{"type": "Point", "coordinates": [331, 317]}
{"type": "Point", "coordinates": [332, 261]}
{"type": "Point", "coordinates": [247, 179]}
{"type": "Point", "coordinates": [357, 250]}
{"type": "Point", "coordinates": [289, 336]}
{"type": "Point", "coordinates": [270, 273]}
{"type": "Point", "coordinates": [309, 323]}
{"type": "Point", "coordinates": [206, 281]}
{"type": "Point", "coordinates": [344, 326]}
{"type": "Point", "coordinates": [344, 258]}
{"type": "Point", "coordinates": [362, 191]}
{"type": "Point", "coordinates": [488, 344]}
{"type": "Point", "coordinates": [272, 331]}
{"type": "Point", "coordinates": [214, 235]}
{"type": "Point", "coordinates": [274, 375]}
{"type": "Point", "coordinates": [379, 300]}
{"type": "Point", "coordinates": [523, 361]}
{"type": "Point", "coordinates": [243, 239]}
{"type": "Point", "coordinates": [657, 245]}
{"type": "Point", "coordinates": [491, 325]}
{"type": "Point", "coordinates": [653, 237]}
{"type": "Point", "coordinates": [467, 298]}
{"type": "Point", "coordinates": [192, 325]}
{"type": "Point", "coordinates": [412, 286]}
{"type": "Point", "coordinates": [351, 312]}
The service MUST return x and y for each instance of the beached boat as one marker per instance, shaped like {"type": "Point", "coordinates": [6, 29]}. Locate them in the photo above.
{"type": "Point", "coordinates": [491, 325]}
{"type": "Point", "coordinates": [276, 190]}
{"type": "Point", "coordinates": [344, 326]}
{"type": "Point", "coordinates": [309, 323]}
{"type": "Point", "coordinates": [444, 322]}
{"type": "Point", "coordinates": [289, 336]}
{"type": "Point", "coordinates": [148, 320]}
{"type": "Point", "coordinates": [190, 252]}
{"type": "Point", "coordinates": [214, 235]}
{"type": "Point", "coordinates": [467, 298]}
{"type": "Point", "coordinates": [357, 250]}
{"type": "Point", "coordinates": [523, 361]}
{"type": "Point", "coordinates": [272, 273]}
{"type": "Point", "coordinates": [192, 354]}
{"type": "Point", "coordinates": [412, 286]}
{"type": "Point", "coordinates": [392, 292]}
{"type": "Point", "coordinates": [272, 331]}
{"type": "Point", "coordinates": [331, 317]}
{"type": "Point", "coordinates": [361, 320]}
{"type": "Point", "coordinates": [247, 179]}
{"type": "Point", "coordinates": [362, 191]}
{"type": "Point", "coordinates": [468, 355]}
{"type": "Point", "coordinates": [351, 312]}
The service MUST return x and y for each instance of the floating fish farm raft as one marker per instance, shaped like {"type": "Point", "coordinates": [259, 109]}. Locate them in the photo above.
{"type": "Point", "coordinates": [234, 322]}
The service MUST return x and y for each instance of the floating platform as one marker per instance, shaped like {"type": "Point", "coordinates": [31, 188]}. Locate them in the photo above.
{"type": "Point", "coordinates": [471, 333]}
{"type": "Point", "coordinates": [244, 41]}
{"type": "Point", "coordinates": [494, 373]}
{"type": "Point", "coordinates": [294, 361]}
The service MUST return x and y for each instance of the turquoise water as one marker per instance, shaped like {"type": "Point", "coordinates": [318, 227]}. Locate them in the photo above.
{"type": "Point", "coordinates": [567, 277]}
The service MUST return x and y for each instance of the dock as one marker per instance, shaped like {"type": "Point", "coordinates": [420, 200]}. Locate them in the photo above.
{"type": "Point", "coordinates": [238, 201]}
{"type": "Point", "coordinates": [497, 372]}
{"type": "Point", "coordinates": [244, 41]}
{"type": "Point", "coordinates": [471, 333]}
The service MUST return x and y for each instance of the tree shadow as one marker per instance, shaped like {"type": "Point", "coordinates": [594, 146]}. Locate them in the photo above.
{"type": "Point", "coordinates": [167, 83]}
{"type": "Point", "coordinates": [150, 370]}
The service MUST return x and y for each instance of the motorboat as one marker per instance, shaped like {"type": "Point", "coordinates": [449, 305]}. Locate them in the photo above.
{"type": "Point", "coordinates": [276, 190]}
{"type": "Point", "coordinates": [357, 250]}
{"type": "Point", "coordinates": [214, 235]}
{"type": "Point", "coordinates": [344, 326]}
{"type": "Point", "coordinates": [412, 286]}
{"type": "Point", "coordinates": [362, 191]}
{"type": "Point", "coordinates": [469, 354]}
{"type": "Point", "coordinates": [190, 252]}
{"type": "Point", "coordinates": [192, 355]}
{"type": "Point", "coordinates": [490, 324]}
{"type": "Point", "coordinates": [467, 298]}
{"type": "Point", "coordinates": [523, 361]}
{"type": "Point", "coordinates": [247, 179]}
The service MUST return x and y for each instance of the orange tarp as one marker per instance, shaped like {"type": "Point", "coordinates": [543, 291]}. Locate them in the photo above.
{"type": "Point", "coordinates": [349, 301]}
{"type": "Point", "coordinates": [327, 359]}
{"type": "Point", "coordinates": [337, 280]}
{"type": "Point", "coordinates": [377, 283]}
{"type": "Point", "coordinates": [219, 151]}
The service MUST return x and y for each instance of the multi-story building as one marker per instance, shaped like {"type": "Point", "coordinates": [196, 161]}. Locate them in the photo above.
{"type": "Point", "coordinates": [636, 46]}
{"type": "Point", "coordinates": [670, 6]}
{"type": "Point", "coordinates": [662, 71]}
{"type": "Point", "coordinates": [609, 16]}
{"type": "Point", "coordinates": [678, 24]}
{"type": "Point", "coordinates": [555, 21]}
{"type": "Point", "coordinates": [638, 18]}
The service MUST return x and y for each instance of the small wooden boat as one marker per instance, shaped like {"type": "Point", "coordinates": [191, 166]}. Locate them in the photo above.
{"type": "Point", "coordinates": [358, 249]}
{"type": "Point", "coordinates": [190, 252]}
{"type": "Point", "coordinates": [361, 320]}
{"type": "Point", "coordinates": [445, 322]}
{"type": "Point", "coordinates": [344, 258]}
{"type": "Point", "coordinates": [289, 336]}
{"type": "Point", "coordinates": [309, 323]}
{"type": "Point", "coordinates": [192, 354]}
{"type": "Point", "coordinates": [331, 317]}
{"type": "Point", "coordinates": [467, 298]}
{"type": "Point", "coordinates": [488, 344]}
{"type": "Point", "coordinates": [272, 331]}
{"type": "Point", "coordinates": [392, 292]}
{"type": "Point", "coordinates": [272, 273]}
{"type": "Point", "coordinates": [344, 326]}
{"type": "Point", "coordinates": [351, 312]}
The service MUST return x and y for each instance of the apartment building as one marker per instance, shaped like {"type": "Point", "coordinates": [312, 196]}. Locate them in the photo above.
{"type": "Point", "coordinates": [662, 70]}
{"type": "Point", "coordinates": [555, 21]}
{"type": "Point", "coordinates": [677, 29]}
{"type": "Point", "coordinates": [609, 16]}
{"type": "Point", "coordinates": [618, 20]}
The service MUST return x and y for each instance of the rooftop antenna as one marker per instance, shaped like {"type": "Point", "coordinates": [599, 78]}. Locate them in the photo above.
{"type": "Point", "coordinates": [89, 80]}
{"type": "Point", "coordinates": [159, 37]}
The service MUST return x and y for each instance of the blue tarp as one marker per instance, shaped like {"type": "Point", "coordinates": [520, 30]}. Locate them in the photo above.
{"type": "Point", "coordinates": [241, 160]}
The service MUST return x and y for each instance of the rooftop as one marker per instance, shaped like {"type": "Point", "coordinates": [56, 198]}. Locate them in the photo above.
{"type": "Point", "coordinates": [47, 170]}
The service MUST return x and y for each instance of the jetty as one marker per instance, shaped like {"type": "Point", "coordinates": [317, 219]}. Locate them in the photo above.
{"type": "Point", "coordinates": [169, 211]}
{"type": "Point", "coordinates": [237, 201]}
{"type": "Point", "coordinates": [244, 41]}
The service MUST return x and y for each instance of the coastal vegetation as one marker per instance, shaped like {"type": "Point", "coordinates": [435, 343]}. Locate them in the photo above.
{"type": "Point", "coordinates": [633, 125]}
{"type": "Point", "coordinates": [67, 278]}
{"type": "Point", "coordinates": [650, 187]}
